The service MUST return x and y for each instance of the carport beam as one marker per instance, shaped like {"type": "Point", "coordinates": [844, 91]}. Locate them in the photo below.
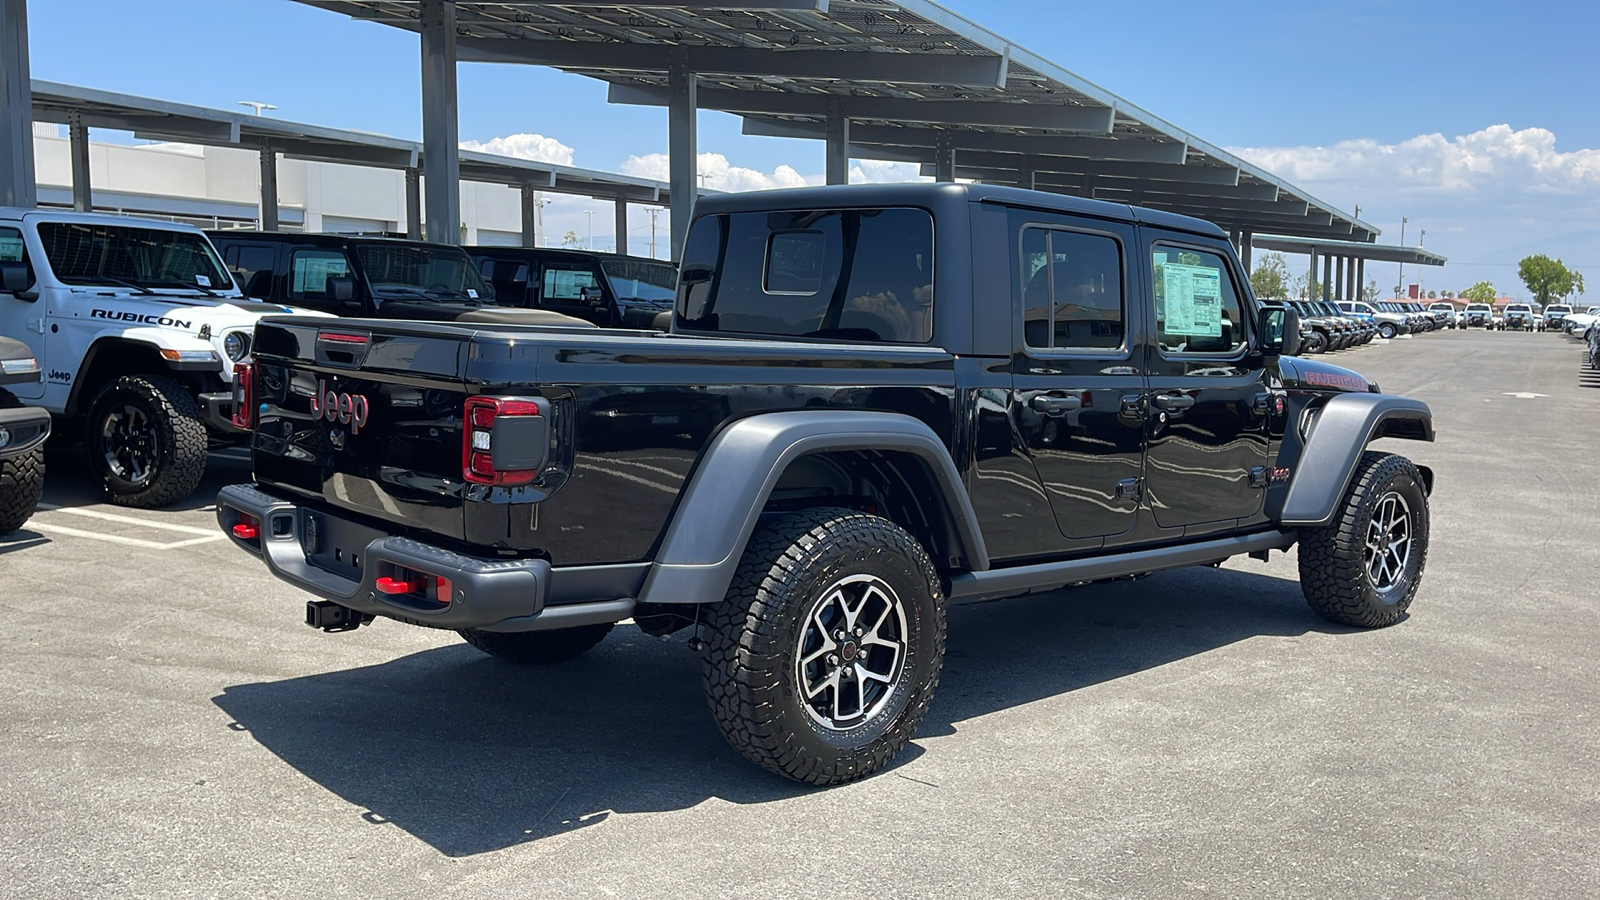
{"type": "Point", "coordinates": [682, 147]}
{"type": "Point", "coordinates": [1245, 238]}
{"type": "Point", "coordinates": [413, 203]}
{"type": "Point", "coordinates": [269, 188]}
{"type": "Point", "coordinates": [838, 145]}
{"type": "Point", "coordinates": [1327, 276]}
{"type": "Point", "coordinates": [17, 185]}
{"type": "Point", "coordinates": [944, 159]}
{"type": "Point", "coordinates": [78, 143]}
{"type": "Point", "coordinates": [622, 226]}
{"type": "Point", "coordinates": [441, 159]}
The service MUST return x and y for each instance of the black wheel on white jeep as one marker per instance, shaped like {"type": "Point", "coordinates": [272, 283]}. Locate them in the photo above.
{"type": "Point", "coordinates": [146, 440]}
{"type": "Point", "coordinates": [824, 655]}
{"type": "Point", "coordinates": [21, 480]}
{"type": "Point", "coordinates": [1364, 567]}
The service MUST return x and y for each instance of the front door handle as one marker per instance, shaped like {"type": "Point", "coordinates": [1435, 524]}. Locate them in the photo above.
{"type": "Point", "coordinates": [1055, 404]}
{"type": "Point", "coordinates": [1173, 401]}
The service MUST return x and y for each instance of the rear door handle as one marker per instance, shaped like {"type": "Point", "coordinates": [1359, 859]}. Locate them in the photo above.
{"type": "Point", "coordinates": [1173, 401]}
{"type": "Point", "coordinates": [1055, 403]}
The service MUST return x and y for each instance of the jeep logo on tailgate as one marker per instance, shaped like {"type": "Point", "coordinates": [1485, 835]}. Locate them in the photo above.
{"type": "Point", "coordinates": [346, 409]}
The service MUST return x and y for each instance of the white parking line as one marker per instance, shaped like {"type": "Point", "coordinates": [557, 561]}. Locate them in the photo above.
{"type": "Point", "coordinates": [130, 520]}
{"type": "Point", "coordinates": [36, 525]}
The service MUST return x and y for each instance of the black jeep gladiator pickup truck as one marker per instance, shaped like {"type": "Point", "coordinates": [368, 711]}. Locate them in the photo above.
{"type": "Point", "coordinates": [872, 402]}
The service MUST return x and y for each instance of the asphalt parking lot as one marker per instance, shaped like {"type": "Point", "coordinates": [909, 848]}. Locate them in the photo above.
{"type": "Point", "coordinates": [172, 729]}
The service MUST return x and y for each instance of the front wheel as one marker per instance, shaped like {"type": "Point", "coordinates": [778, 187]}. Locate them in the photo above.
{"type": "Point", "coordinates": [21, 480]}
{"type": "Point", "coordinates": [146, 440]}
{"type": "Point", "coordinates": [1315, 342]}
{"type": "Point", "coordinates": [1387, 331]}
{"type": "Point", "coordinates": [1364, 567]}
{"type": "Point", "coordinates": [824, 655]}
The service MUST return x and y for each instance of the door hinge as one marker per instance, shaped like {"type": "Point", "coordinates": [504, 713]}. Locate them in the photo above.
{"type": "Point", "coordinates": [1258, 477]}
{"type": "Point", "coordinates": [1130, 489]}
{"type": "Point", "coordinates": [36, 324]}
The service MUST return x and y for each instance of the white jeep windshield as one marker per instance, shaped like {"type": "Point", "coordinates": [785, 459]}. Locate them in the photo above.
{"type": "Point", "coordinates": [131, 256]}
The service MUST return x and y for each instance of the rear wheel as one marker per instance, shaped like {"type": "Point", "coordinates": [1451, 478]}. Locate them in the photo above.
{"type": "Point", "coordinates": [1363, 568]}
{"type": "Point", "coordinates": [146, 440]}
{"type": "Point", "coordinates": [824, 655]}
{"type": "Point", "coordinates": [538, 648]}
{"type": "Point", "coordinates": [21, 480]}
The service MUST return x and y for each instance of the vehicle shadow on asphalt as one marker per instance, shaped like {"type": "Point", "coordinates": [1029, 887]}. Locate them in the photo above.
{"type": "Point", "coordinates": [470, 755]}
{"type": "Point", "coordinates": [70, 482]}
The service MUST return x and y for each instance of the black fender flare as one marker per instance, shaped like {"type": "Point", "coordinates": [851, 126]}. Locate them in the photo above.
{"type": "Point", "coordinates": [1344, 428]}
{"type": "Point", "coordinates": [722, 502]}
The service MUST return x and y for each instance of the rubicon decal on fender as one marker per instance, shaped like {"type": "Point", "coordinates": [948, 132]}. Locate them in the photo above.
{"type": "Point", "coordinates": [346, 409]}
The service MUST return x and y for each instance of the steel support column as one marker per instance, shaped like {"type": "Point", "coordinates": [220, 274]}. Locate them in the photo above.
{"type": "Point", "coordinates": [1338, 278]}
{"type": "Point", "coordinates": [17, 185]}
{"type": "Point", "coordinates": [441, 159]}
{"type": "Point", "coordinates": [944, 159]}
{"type": "Point", "coordinates": [413, 204]}
{"type": "Point", "coordinates": [622, 226]}
{"type": "Point", "coordinates": [682, 148]}
{"type": "Point", "coordinates": [1245, 238]}
{"type": "Point", "coordinates": [78, 144]}
{"type": "Point", "coordinates": [1350, 279]}
{"type": "Point", "coordinates": [1361, 279]}
{"type": "Point", "coordinates": [269, 187]}
{"type": "Point", "coordinates": [1327, 276]}
{"type": "Point", "coordinates": [1028, 179]}
{"type": "Point", "coordinates": [1311, 274]}
{"type": "Point", "coordinates": [530, 215]}
{"type": "Point", "coordinates": [838, 144]}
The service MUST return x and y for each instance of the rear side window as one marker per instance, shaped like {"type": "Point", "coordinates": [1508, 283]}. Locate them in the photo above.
{"type": "Point", "coordinates": [1072, 294]}
{"type": "Point", "coordinates": [1197, 306]}
{"type": "Point", "coordinates": [861, 275]}
{"type": "Point", "coordinates": [310, 269]}
{"type": "Point", "coordinates": [247, 260]}
{"type": "Point", "coordinates": [564, 285]}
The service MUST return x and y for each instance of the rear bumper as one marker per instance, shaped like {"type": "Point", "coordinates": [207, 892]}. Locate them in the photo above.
{"type": "Point", "coordinates": [486, 594]}
{"type": "Point", "coordinates": [23, 428]}
{"type": "Point", "coordinates": [219, 412]}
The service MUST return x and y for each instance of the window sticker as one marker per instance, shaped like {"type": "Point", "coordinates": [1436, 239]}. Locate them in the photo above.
{"type": "Point", "coordinates": [10, 248]}
{"type": "Point", "coordinates": [311, 274]}
{"type": "Point", "coordinates": [472, 293]}
{"type": "Point", "coordinates": [202, 280]}
{"type": "Point", "coordinates": [1193, 299]}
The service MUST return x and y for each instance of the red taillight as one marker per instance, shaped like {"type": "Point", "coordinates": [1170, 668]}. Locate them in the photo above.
{"type": "Point", "coordinates": [477, 439]}
{"type": "Point", "coordinates": [244, 396]}
{"type": "Point", "coordinates": [247, 528]}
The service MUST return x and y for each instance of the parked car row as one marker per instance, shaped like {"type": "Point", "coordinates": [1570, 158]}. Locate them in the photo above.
{"type": "Point", "coordinates": [133, 329]}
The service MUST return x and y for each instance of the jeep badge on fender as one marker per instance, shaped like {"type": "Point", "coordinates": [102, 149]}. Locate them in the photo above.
{"type": "Point", "coordinates": [346, 409]}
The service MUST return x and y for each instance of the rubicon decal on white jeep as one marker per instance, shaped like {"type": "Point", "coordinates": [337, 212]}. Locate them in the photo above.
{"type": "Point", "coordinates": [118, 315]}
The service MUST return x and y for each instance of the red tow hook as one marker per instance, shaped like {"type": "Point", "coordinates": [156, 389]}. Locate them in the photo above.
{"type": "Point", "coordinates": [248, 528]}
{"type": "Point", "coordinates": [387, 585]}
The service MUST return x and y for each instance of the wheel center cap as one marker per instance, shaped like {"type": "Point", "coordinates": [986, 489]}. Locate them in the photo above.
{"type": "Point", "coordinates": [848, 651]}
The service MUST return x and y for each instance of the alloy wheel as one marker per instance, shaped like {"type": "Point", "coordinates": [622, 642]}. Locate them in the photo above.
{"type": "Point", "coordinates": [852, 652]}
{"type": "Point", "coordinates": [129, 443]}
{"type": "Point", "coordinates": [1388, 546]}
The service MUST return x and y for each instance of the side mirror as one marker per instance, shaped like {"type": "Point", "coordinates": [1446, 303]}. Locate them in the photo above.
{"type": "Point", "coordinates": [593, 296]}
{"type": "Point", "coordinates": [695, 275]}
{"type": "Point", "coordinates": [15, 279]}
{"type": "Point", "coordinates": [341, 289]}
{"type": "Point", "coordinates": [1279, 327]}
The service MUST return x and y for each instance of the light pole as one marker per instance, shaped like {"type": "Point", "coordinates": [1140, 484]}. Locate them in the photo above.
{"type": "Point", "coordinates": [256, 105]}
{"type": "Point", "coordinates": [1401, 281]}
{"type": "Point", "coordinates": [590, 214]}
{"type": "Point", "coordinates": [654, 211]}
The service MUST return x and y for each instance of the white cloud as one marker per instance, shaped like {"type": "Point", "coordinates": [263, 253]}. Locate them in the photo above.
{"type": "Point", "coordinates": [534, 147]}
{"type": "Point", "coordinates": [878, 171]}
{"type": "Point", "coordinates": [1494, 158]}
{"type": "Point", "coordinates": [720, 175]}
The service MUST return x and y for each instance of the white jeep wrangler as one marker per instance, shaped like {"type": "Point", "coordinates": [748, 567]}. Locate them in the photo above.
{"type": "Point", "coordinates": [137, 326]}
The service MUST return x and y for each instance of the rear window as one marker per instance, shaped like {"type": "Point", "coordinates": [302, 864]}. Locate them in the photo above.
{"type": "Point", "coordinates": [861, 275]}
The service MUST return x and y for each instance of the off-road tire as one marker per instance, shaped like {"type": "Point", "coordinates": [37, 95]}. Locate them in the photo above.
{"type": "Point", "coordinates": [180, 433]}
{"type": "Point", "coordinates": [1316, 342]}
{"type": "Point", "coordinates": [538, 648]}
{"type": "Point", "coordinates": [1388, 332]}
{"type": "Point", "coordinates": [21, 480]}
{"type": "Point", "coordinates": [1333, 571]}
{"type": "Point", "coordinates": [791, 564]}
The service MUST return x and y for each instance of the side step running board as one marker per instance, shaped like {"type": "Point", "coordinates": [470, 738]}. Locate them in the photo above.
{"type": "Point", "coordinates": [974, 587]}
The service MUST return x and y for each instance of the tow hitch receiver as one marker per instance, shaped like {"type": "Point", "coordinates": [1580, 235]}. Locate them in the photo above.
{"type": "Point", "coordinates": [333, 618]}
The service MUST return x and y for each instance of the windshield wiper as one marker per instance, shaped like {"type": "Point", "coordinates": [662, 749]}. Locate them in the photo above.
{"type": "Point", "coordinates": [123, 282]}
{"type": "Point", "coordinates": [182, 285]}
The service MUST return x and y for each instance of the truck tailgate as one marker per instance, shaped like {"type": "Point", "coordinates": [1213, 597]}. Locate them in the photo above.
{"type": "Point", "coordinates": [364, 415]}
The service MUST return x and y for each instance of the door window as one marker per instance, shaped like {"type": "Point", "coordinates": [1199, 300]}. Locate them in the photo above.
{"type": "Point", "coordinates": [1197, 305]}
{"type": "Point", "coordinates": [565, 285]}
{"type": "Point", "coordinates": [248, 260]}
{"type": "Point", "coordinates": [1072, 293]}
{"type": "Point", "coordinates": [309, 271]}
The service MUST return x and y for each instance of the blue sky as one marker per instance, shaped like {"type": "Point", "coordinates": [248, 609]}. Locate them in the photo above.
{"type": "Point", "coordinates": [1343, 98]}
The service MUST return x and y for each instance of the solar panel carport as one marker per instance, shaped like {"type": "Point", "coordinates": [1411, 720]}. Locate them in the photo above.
{"type": "Point", "coordinates": [1344, 263]}
{"type": "Point", "coordinates": [906, 80]}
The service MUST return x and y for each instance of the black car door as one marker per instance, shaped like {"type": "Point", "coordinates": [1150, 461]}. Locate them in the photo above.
{"type": "Point", "coordinates": [1206, 456]}
{"type": "Point", "coordinates": [1076, 382]}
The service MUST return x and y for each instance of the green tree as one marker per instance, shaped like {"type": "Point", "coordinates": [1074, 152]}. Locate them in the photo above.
{"type": "Point", "coordinates": [1270, 280]}
{"type": "Point", "coordinates": [1545, 277]}
{"type": "Point", "coordinates": [1482, 292]}
{"type": "Point", "coordinates": [1433, 295]}
{"type": "Point", "coordinates": [1577, 284]}
{"type": "Point", "coordinates": [570, 239]}
{"type": "Point", "coordinates": [1304, 287]}
{"type": "Point", "coordinates": [1370, 292]}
